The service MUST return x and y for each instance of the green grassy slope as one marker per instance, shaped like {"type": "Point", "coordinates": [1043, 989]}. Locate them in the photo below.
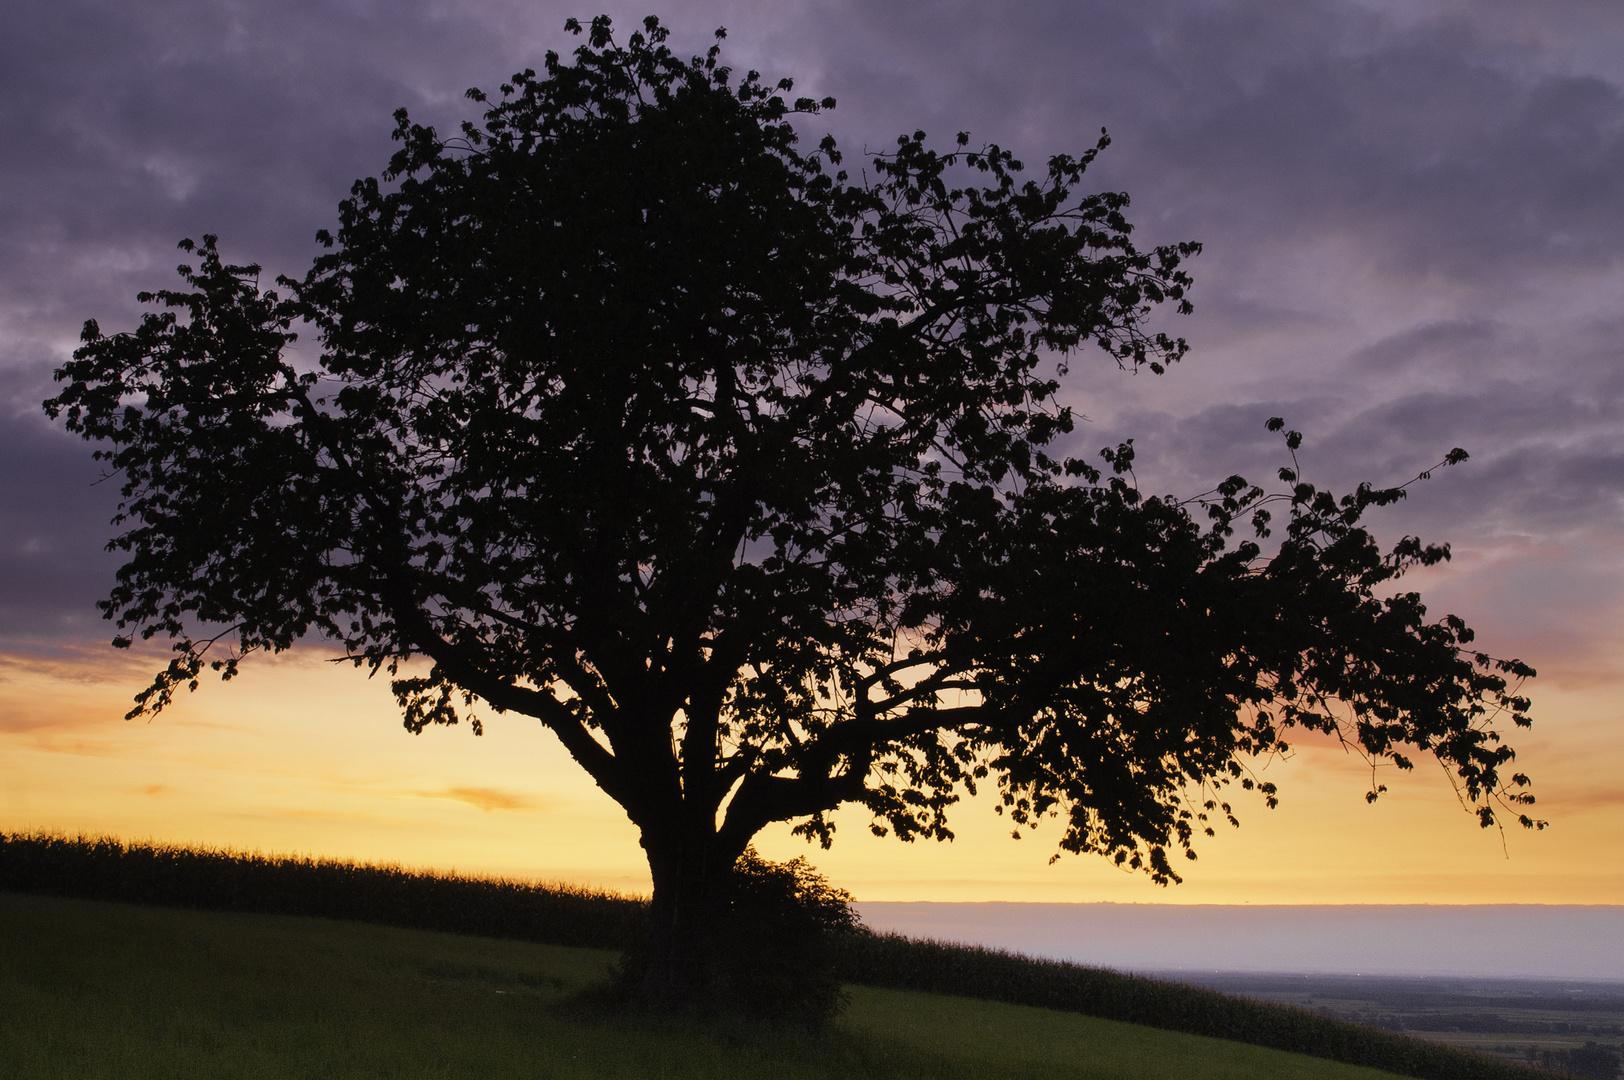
{"type": "Point", "coordinates": [91, 989]}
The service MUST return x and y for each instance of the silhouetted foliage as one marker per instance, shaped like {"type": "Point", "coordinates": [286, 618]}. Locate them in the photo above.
{"type": "Point", "coordinates": [747, 477]}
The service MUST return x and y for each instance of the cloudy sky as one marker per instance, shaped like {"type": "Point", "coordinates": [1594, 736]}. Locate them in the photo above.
{"type": "Point", "coordinates": [1412, 215]}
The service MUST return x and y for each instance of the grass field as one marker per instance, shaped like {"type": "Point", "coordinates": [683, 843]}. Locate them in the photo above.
{"type": "Point", "coordinates": [90, 989]}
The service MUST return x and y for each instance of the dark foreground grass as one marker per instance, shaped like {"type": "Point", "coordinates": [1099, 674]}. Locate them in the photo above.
{"type": "Point", "coordinates": [106, 869]}
{"type": "Point", "coordinates": [91, 989]}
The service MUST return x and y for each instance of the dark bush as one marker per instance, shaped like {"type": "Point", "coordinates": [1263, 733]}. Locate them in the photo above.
{"type": "Point", "coordinates": [771, 955]}
{"type": "Point", "coordinates": [775, 952]}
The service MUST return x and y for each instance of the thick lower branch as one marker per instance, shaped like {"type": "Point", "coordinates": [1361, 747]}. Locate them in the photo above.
{"type": "Point", "coordinates": [591, 755]}
{"type": "Point", "coordinates": [763, 799]}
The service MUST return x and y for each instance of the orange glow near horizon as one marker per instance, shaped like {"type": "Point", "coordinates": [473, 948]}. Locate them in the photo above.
{"type": "Point", "coordinates": [303, 756]}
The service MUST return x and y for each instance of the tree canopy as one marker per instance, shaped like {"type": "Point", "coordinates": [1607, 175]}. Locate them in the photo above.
{"type": "Point", "coordinates": [746, 472]}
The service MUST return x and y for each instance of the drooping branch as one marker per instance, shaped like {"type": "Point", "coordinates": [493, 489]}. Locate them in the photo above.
{"type": "Point", "coordinates": [464, 670]}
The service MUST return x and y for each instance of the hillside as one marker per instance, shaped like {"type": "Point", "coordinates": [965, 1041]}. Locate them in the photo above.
{"type": "Point", "coordinates": [92, 989]}
{"type": "Point", "coordinates": [104, 868]}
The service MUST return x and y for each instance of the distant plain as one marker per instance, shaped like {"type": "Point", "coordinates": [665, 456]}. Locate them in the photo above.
{"type": "Point", "coordinates": [1506, 1017]}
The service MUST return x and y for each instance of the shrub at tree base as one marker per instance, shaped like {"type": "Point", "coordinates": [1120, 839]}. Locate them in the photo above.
{"type": "Point", "coordinates": [774, 951]}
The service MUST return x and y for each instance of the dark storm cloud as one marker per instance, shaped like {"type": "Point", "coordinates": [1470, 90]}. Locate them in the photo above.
{"type": "Point", "coordinates": [130, 126]}
{"type": "Point", "coordinates": [133, 125]}
{"type": "Point", "coordinates": [1411, 215]}
{"type": "Point", "coordinates": [53, 525]}
{"type": "Point", "coordinates": [1413, 238]}
{"type": "Point", "coordinates": [1441, 147]}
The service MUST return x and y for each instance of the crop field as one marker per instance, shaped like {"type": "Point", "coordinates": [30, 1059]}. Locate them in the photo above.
{"type": "Point", "coordinates": [92, 989]}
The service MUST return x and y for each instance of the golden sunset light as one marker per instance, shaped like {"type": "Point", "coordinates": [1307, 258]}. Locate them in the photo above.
{"type": "Point", "coordinates": [303, 756]}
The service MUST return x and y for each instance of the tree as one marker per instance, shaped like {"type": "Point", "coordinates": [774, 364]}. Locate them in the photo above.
{"type": "Point", "coordinates": [743, 475]}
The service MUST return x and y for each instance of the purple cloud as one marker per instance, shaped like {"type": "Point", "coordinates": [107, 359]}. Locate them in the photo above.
{"type": "Point", "coordinates": [1411, 221]}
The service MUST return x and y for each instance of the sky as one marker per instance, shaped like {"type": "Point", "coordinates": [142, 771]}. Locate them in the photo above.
{"type": "Point", "coordinates": [1499, 941]}
{"type": "Point", "coordinates": [1412, 217]}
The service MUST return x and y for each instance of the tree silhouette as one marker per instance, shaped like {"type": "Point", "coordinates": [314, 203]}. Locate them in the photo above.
{"type": "Point", "coordinates": [742, 474]}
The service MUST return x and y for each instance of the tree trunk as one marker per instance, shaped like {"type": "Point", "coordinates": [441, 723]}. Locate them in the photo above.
{"type": "Point", "coordinates": [691, 877]}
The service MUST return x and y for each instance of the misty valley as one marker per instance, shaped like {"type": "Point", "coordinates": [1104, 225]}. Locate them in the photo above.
{"type": "Point", "coordinates": [1571, 1026]}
